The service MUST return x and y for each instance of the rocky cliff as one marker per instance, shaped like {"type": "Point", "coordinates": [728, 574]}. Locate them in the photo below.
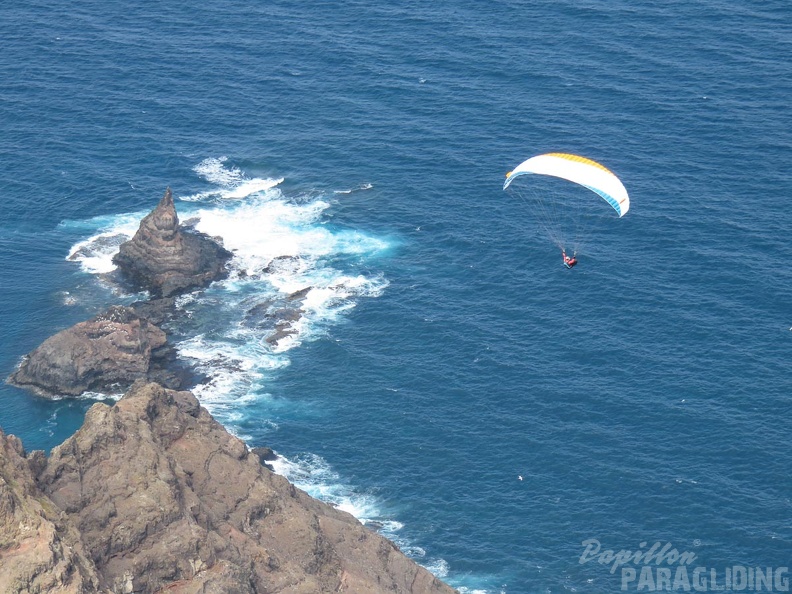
{"type": "Point", "coordinates": [153, 495]}
{"type": "Point", "coordinates": [166, 259]}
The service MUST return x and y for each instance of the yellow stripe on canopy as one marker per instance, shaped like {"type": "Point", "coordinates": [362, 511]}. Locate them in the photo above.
{"type": "Point", "coordinates": [579, 170]}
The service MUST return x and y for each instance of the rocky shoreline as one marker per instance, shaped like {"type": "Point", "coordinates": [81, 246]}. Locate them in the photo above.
{"type": "Point", "coordinates": [152, 494]}
{"type": "Point", "coordinates": [107, 353]}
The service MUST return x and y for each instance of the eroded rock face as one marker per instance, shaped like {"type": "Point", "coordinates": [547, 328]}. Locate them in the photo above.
{"type": "Point", "coordinates": [40, 549]}
{"type": "Point", "coordinates": [166, 259]}
{"type": "Point", "coordinates": [165, 498]}
{"type": "Point", "coordinates": [106, 354]}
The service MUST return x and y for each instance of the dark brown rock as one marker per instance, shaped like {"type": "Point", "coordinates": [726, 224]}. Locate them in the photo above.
{"type": "Point", "coordinates": [167, 259]}
{"type": "Point", "coordinates": [299, 295]}
{"type": "Point", "coordinates": [265, 455]}
{"type": "Point", "coordinates": [156, 311]}
{"type": "Point", "coordinates": [281, 331]}
{"type": "Point", "coordinates": [105, 354]}
{"type": "Point", "coordinates": [281, 264]}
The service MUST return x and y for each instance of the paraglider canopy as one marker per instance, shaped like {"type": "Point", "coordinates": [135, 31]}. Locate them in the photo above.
{"type": "Point", "coordinates": [579, 170]}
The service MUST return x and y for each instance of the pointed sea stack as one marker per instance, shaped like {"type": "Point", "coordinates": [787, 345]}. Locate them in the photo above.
{"type": "Point", "coordinates": [165, 259]}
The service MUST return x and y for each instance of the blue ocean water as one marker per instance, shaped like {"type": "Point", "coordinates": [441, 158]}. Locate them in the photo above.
{"type": "Point", "coordinates": [642, 397]}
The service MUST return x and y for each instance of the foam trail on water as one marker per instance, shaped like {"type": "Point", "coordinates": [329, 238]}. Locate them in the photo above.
{"type": "Point", "coordinates": [357, 189]}
{"type": "Point", "coordinates": [95, 254]}
{"type": "Point", "coordinates": [251, 187]}
{"type": "Point", "coordinates": [313, 474]}
{"type": "Point", "coordinates": [230, 182]}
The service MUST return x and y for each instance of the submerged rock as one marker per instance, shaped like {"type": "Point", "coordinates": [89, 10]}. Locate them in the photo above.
{"type": "Point", "coordinates": [166, 258]}
{"type": "Point", "coordinates": [156, 311]}
{"type": "Point", "coordinates": [104, 354]}
{"type": "Point", "coordinates": [299, 295]}
{"type": "Point", "coordinates": [283, 264]}
{"type": "Point", "coordinates": [154, 495]}
{"type": "Point", "coordinates": [277, 317]}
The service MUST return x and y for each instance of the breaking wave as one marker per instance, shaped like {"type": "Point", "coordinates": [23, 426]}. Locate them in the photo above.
{"type": "Point", "coordinates": [291, 279]}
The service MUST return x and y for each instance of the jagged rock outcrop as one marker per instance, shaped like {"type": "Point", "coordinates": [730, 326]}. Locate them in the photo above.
{"type": "Point", "coordinates": [166, 259]}
{"type": "Point", "coordinates": [278, 317]}
{"type": "Point", "coordinates": [164, 498]}
{"type": "Point", "coordinates": [40, 549]}
{"type": "Point", "coordinates": [105, 354]}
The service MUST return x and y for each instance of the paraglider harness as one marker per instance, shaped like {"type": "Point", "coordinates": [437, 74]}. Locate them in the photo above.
{"type": "Point", "coordinates": [569, 262]}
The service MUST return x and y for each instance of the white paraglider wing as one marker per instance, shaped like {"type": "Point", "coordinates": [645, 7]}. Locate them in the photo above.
{"type": "Point", "coordinates": [579, 170]}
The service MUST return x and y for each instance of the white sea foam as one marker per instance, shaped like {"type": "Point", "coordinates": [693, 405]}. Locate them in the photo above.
{"type": "Point", "coordinates": [68, 298]}
{"type": "Point", "coordinates": [281, 248]}
{"type": "Point", "coordinates": [252, 186]}
{"type": "Point", "coordinates": [439, 568]}
{"type": "Point", "coordinates": [114, 396]}
{"type": "Point", "coordinates": [230, 183]}
{"type": "Point", "coordinates": [95, 254]}
{"type": "Point", "coordinates": [50, 424]}
{"type": "Point", "coordinates": [89, 395]}
{"type": "Point", "coordinates": [357, 189]}
{"type": "Point", "coordinates": [313, 474]}
{"type": "Point", "coordinates": [234, 372]}
{"type": "Point", "coordinates": [215, 171]}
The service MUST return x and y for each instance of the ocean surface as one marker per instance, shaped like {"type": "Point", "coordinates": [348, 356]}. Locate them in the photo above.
{"type": "Point", "coordinates": [451, 384]}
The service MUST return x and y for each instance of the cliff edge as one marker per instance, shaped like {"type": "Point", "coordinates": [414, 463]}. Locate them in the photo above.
{"type": "Point", "coordinates": [152, 495]}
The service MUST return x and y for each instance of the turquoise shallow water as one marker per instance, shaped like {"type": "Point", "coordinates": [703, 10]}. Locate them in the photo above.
{"type": "Point", "coordinates": [643, 396]}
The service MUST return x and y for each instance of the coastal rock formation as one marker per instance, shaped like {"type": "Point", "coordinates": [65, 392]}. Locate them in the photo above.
{"type": "Point", "coordinates": [164, 498]}
{"type": "Point", "coordinates": [166, 259]}
{"type": "Point", "coordinates": [278, 317]}
{"type": "Point", "coordinates": [156, 311]}
{"type": "Point", "coordinates": [40, 549]}
{"type": "Point", "coordinates": [105, 354]}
